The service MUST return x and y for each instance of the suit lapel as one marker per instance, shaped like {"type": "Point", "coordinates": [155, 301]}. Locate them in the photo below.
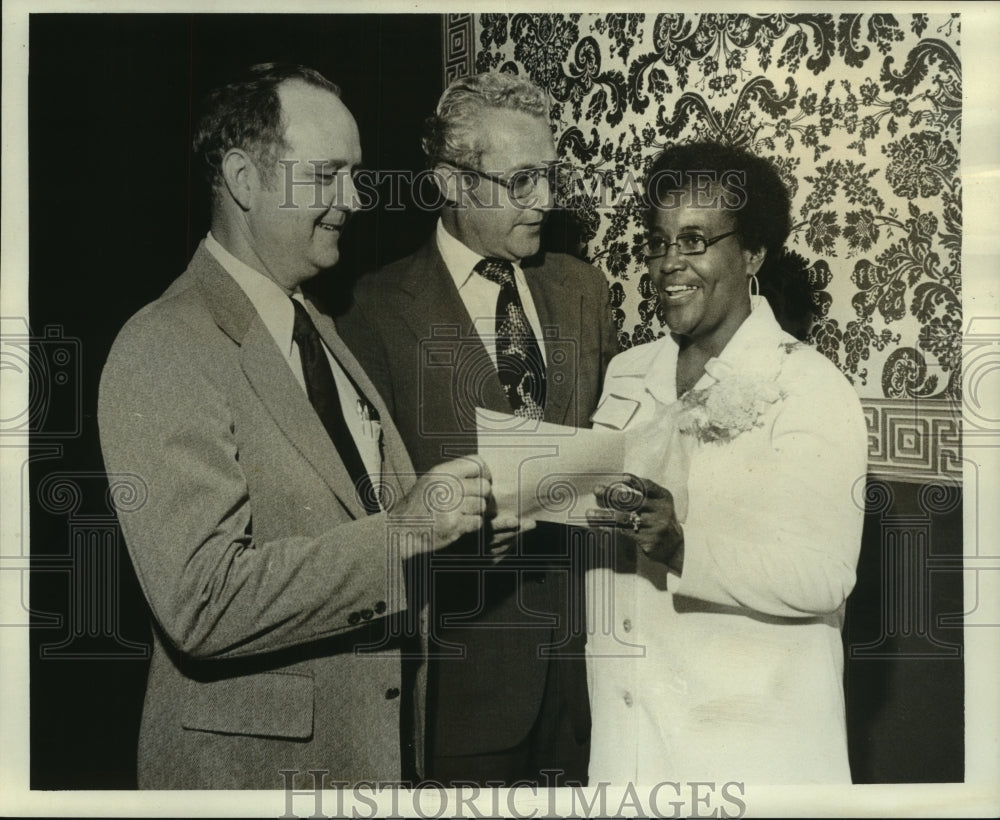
{"type": "Point", "coordinates": [271, 378]}
{"type": "Point", "coordinates": [559, 313]}
{"type": "Point", "coordinates": [432, 292]}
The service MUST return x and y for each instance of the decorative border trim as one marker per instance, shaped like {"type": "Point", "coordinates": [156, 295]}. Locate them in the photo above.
{"type": "Point", "coordinates": [914, 440]}
{"type": "Point", "coordinates": [458, 39]}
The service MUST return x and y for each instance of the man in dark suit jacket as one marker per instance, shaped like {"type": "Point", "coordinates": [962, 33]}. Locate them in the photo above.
{"type": "Point", "coordinates": [437, 333]}
{"type": "Point", "coordinates": [269, 539]}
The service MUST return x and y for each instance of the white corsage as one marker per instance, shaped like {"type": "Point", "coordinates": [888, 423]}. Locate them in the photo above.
{"type": "Point", "coordinates": [733, 405]}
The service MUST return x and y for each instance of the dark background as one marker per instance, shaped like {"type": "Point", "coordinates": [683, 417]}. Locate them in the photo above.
{"type": "Point", "coordinates": [114, 217]}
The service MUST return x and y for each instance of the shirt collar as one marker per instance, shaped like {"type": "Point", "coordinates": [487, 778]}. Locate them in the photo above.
{"type": "Point", "coordinates": [754, 340]}
{"type": "Point", "coordinates": [268, 299]}
{"type": "Point", "coordinates": [459, 259]}
{"type": "Point", "coordinates": [750, 349]}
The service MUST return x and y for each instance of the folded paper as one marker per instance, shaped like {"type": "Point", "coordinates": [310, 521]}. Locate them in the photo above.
{"type": "Point", "coordinates": [547, 472]}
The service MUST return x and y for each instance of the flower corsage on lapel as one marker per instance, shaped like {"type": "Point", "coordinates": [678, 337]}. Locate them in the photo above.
{"type": "Point", "coordinates": [734, 404]}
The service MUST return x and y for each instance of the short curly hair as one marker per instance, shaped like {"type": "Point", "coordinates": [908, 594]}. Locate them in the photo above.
{"type": "Point", "coordinates": [453, 134]}
{"type": "Point", "coordinates": [752, 189]}
{"type": "Point", "coordinates": [246, 113]}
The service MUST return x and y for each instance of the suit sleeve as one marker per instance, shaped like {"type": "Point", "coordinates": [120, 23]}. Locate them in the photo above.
{"type": "Point", "coordinates": [599, 342]}
{"type": "Point", "coordinates": [217, 587]}
{"type": "Point", "coordinates": [778, 530]}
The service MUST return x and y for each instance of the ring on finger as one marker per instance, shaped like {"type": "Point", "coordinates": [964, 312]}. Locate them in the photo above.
{"type": "Point", "coordinates": [635, 520]}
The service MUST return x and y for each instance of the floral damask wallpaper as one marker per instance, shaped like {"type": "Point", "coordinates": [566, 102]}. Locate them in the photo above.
{"type": "Point", "coordinates": [861, 113]}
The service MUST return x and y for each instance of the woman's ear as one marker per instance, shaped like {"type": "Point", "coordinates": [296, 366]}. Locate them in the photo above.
{"type": "Point", "coordinates": [754, 259]}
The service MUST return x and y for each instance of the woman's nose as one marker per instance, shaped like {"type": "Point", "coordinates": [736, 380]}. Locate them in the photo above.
{"type": "Point", "coordinates": [672, 260]}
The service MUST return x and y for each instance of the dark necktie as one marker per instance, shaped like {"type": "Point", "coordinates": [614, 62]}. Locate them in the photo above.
{"type": "Point", "coordinates": [520, 364]}
{"type": "Point", "coordinates": [321, 388]}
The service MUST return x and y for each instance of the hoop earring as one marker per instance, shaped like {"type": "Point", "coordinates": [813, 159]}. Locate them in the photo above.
{"type": "Point", "coordinates": [753, 286]}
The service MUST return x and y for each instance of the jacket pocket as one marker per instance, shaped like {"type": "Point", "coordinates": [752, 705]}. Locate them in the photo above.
{"type": "Point", "coordinates": [269, 704]}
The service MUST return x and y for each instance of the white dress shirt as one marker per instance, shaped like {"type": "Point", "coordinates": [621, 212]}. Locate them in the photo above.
{"type": "Point", "coordinates": [278, 315]}
{"type": "Point", "coordinates": [479, 294]}
{"type": "Point", "coordinates": [732, 670]}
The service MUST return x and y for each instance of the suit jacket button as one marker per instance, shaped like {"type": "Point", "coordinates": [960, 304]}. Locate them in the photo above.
{"type": "Point", "coordinates": [353, 618]}
{"type": "Point", "coordinates": [379, 607]}
{"type": "Point", "coordinates": [391, 693]}
{"type": "Point", "coordinates": [367, 614]}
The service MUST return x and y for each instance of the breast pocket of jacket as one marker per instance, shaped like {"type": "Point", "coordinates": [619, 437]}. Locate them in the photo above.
{"type": "Point", "coordinates": [268, 704]}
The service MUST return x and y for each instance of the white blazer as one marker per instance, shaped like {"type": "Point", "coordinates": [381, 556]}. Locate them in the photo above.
{"type": "Point", "coordinates": [734, 669]}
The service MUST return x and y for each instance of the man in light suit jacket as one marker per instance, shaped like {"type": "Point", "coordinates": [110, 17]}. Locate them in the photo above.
{"type": "Point", "coordinates": [268, 536]}
{"type": "Point", "coordinates": [466, 321]}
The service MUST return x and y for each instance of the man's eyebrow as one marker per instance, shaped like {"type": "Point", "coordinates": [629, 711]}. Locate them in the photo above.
{"type": "Point", "coordinates": [322, 164]}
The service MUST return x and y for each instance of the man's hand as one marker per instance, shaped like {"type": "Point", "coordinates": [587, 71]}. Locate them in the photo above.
{"type": "Point", "coordinates": [448, 501]}
{"type": "Point", "coordinates": [503, 530]}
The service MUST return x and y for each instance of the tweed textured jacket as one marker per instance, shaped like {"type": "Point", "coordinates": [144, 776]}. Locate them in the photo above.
{"type": "Point", "coordinates": [275, 598]}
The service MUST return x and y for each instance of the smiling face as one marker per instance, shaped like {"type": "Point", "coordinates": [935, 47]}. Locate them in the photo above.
{"type": "Point", "coordinates": [703, 297]}
{"type": "Point", "coordinates": [293, 226]}
{"type": "Point", "coordinates": [487, 221]}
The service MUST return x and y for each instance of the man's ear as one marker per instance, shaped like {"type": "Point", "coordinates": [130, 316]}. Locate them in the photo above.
{"type": "Point", "coordinates": [454, 185]}
{"type": "Point", "coordinates": [447, 182]}
{"type": "Point", "coordinates": [240, 176]}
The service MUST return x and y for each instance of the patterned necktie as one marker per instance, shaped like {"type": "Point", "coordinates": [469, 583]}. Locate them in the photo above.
{"type": "Point", "coordinates": [520, 364]}
{"type": "Point", "coordinates": [321, 387]}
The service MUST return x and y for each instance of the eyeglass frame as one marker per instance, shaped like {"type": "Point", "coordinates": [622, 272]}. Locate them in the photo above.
{"type": "Point", "coordinates": [667, 245]}
{"type": "Point", "coordinates": [548, 167]}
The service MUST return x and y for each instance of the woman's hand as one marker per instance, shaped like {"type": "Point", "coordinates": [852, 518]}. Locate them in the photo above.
{"type": "Point", "coordinates": [643, 511]}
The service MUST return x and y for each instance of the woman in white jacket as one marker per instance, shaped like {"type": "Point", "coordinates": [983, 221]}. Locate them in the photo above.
{"type": "Point", "coordinates": [715, 635]}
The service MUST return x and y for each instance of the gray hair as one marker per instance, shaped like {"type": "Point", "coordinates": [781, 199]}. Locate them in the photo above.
{"type": "Point", "coordinates": [452, 133]}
